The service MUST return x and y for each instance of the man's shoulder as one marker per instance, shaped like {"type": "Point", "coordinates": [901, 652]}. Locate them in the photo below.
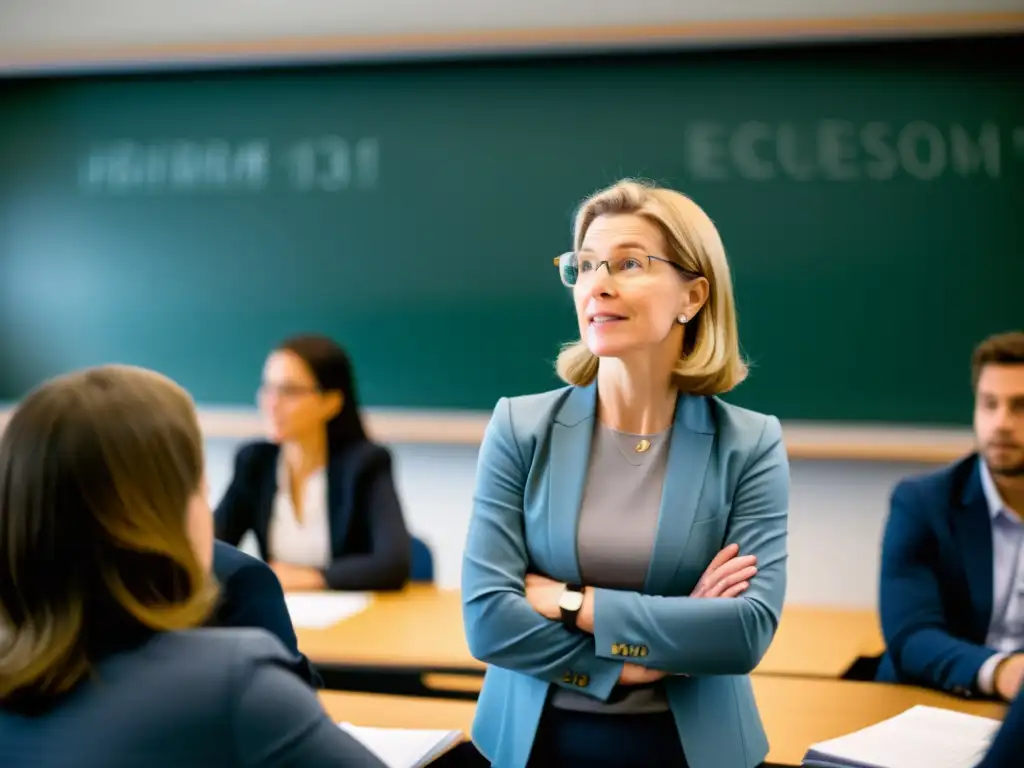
{"type": "Point", "coordinates": [942, 486]}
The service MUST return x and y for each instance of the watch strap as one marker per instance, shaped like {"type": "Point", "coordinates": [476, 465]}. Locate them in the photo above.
{"type": "Point", "coordinates": [569, 617]}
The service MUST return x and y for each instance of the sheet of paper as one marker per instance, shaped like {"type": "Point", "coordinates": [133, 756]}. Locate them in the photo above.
{"type": "Point", "coordinates": [400, 748]}
{"type": "Point", "coordinates": [921, 737]}
{"type": "Point", "coordinates": [319, 610]}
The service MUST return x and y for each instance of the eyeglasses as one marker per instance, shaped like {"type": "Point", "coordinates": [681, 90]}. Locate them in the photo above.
{"type": "Point", "coordinates": [284, 391]}
{"type": "Point", "coordinates": [576, 268]}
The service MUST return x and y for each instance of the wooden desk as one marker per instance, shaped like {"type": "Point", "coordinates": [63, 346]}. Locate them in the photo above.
{"type": "Point", "coordinates": [821, 642]}
{"type": "Point", "coordinates": [796, 712]}
{"type": "Point", "coordinates": [420, 629]}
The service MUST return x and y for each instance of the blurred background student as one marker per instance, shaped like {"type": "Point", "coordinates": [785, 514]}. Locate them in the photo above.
{"type": "Point", "coordinates": [108, 545]}
{"type": "Point", "coordinates": [318, 494]}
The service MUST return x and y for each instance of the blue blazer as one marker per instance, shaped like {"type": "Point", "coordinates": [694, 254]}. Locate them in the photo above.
{"type": "Point", "coordinates": [251, 596]}
{"type": "Point", "coordinates": [727, 481]}
{"type": "Point", "coordinates": [936, 581]}
{"type": "Point", "coordinates": [369, 541]}
{"type": "Point", "coordinates": [1008, 745]}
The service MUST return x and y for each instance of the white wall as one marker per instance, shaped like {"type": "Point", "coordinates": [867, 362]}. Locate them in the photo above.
{"type": "Point", "coordinates": [60, 22]}
{"type": "Point", "coordinates": [838, 511]}
{"type": "Point", "coordinates": [100, 26]}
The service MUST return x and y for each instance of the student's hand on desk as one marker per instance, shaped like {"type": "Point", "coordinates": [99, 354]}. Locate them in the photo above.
{"type": "Point", "coordinates": [728, 575]}
{"type": "Point", "coordinates": [297, 578]}
{"type": "Point", "coordinates": [1009, 676]}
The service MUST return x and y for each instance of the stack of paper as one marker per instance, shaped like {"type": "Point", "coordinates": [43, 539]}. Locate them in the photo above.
{"type": "Point", "coordinates": [319, 610]}
{"type": "Point", "coordinates": [921, 737]}
{"type": "Point", "coordinates": [399, 748]}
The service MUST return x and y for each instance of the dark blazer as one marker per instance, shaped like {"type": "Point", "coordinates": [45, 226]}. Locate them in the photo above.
{"type": "Point", "coordinates": [936, 582]}
{"type": "Point", "coordinates": [202, 698]}
{"type": "Point", "coordinates": [251, 596]}
{"type": "Point", "coordinates": [369, 541]}
{"type": "Point", "coordinates": [1008, 746]}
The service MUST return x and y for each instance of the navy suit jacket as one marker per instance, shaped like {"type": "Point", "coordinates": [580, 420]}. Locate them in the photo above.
{"type": "Point", "coordinates": [251, 596]}
{"type": "Point", "coordinates": [936, 582]}
{"type": "Point", "coordinates": [1008, 746]}
{"type": "Point", "coordinates": [370, 544]}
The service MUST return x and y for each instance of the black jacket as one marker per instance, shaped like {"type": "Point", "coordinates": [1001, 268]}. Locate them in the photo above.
{"type": "Point", "coordinates": [370, 544]}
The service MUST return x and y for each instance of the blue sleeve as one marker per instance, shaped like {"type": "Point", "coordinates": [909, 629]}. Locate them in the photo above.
{"type": "Point", "coordinates": [502, 628]}
{"type": "Point", "coordinates": [914, 622]}
{"type": "Point", "coordinates": [279, 723]}
{"type": "Point", "coordinates": [715, 636]}
{"type": "Point", "coordinates": [253, 598]}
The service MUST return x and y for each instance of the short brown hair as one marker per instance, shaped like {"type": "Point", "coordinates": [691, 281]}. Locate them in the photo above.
{"type": "Point", "coordinates": [710, 362]}
{"type": "Point", "coordinates": [97, 469]}
{"type": "Point", "coordinates": [1000, 349]}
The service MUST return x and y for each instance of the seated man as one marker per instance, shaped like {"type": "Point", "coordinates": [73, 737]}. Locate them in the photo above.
{"type": "Point", "coordinates": [251, 596]}
{"type": "Point", "coordinates": [952, 582]}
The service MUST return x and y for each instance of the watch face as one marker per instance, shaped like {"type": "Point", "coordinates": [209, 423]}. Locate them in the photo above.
{"type": "Point", "coordinates": [571, 601]}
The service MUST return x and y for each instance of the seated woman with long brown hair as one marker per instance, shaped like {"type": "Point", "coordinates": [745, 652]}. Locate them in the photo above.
{"type": "Point", "coordinates": [107, 543]}
{"type": "Point", "coordinates": [318, 492]}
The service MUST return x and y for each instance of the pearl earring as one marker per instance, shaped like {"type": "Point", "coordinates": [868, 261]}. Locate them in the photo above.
{"type": "Point", "coordinates": [682, 319]}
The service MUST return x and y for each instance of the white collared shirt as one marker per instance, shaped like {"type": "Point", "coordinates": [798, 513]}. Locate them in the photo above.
{"type": "Point", "coordinates": [1006, 626]}
{"type": "Point", "coordinates": [306, 543]}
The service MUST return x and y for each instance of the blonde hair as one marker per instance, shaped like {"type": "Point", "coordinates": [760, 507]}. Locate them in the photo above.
{"type": "Point", "coordinates": [710, 362]}
{"type": "Point", "coordinates": [97, 470]}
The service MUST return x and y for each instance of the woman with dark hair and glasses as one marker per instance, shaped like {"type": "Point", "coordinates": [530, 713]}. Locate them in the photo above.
{"type": "Point", "coordinates": [318, 494]}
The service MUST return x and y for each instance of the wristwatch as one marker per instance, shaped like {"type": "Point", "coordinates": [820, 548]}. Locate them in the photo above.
{"type": "Point", "coordinates": [570, 603]}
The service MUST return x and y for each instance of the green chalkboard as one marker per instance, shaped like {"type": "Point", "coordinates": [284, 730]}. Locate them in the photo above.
{"type": "Point", "coordinates": [870, 199]}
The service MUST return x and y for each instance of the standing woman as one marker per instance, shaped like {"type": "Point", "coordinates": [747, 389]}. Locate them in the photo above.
{"type": "Point", "coordinates": [319, 495]}
{"type": "Point", "coordinates": [614, 633]}
{"type": "Point", "coordinates": [107, 542]}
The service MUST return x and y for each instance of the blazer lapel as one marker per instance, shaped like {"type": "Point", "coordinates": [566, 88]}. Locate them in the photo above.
{"type": "Point", "coordinates": [342, 474]}
{"type": "Point", "coordinates": [571, 436]}
{"type": "Point", "coordinates": [267, 493]}
{"type": "Point", "coordinates": [973, 525]}
{"type": "Point", "coordinates": [693, 433]}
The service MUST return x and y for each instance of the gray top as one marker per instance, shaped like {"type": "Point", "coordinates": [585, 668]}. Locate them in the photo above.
{"type": "Point", "coordinates": [617, 528]}
{"type": "Point", "coordinates": [205, 698]}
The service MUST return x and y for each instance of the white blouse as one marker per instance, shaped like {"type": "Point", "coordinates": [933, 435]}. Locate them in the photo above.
{"type": "Point", "coordinates": [306, 543]}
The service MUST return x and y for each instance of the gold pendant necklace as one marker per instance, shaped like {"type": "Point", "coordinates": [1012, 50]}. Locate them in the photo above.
{"type": "Point", "coordinates": [642, 446]}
